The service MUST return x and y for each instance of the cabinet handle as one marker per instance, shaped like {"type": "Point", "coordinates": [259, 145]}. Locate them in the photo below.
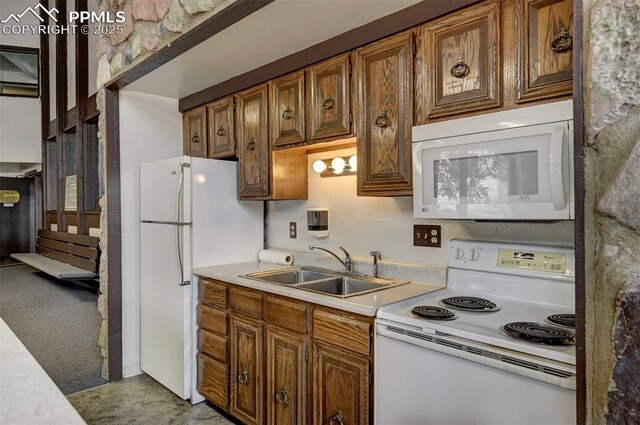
{"type": "Point", "coordinates": [563, 41]}
{"type": "Point", "coordinates": [221, 131]}
{"type": "Point", "coordinates": [287, 114]}
{"type": "Point", "coordinates": [460, 69]}
{"type": "Point", "coordinates": [328, 103]}
{"type": "Point", "coordinates": [195, 138]}
{"type": "Point", "coordinates": [251, 145]}
{"type": "Point", "coordinates": [336, 419]}
{"type": "Point", "coordinates": [243, 376]}
{"type": "Point", "coordinates": [383, 120]}
{"type": "Point", "coordinates": [282, 396]}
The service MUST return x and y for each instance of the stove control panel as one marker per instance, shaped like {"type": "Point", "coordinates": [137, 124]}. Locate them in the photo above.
{"type": "Point", "coordinates": [533, 260]}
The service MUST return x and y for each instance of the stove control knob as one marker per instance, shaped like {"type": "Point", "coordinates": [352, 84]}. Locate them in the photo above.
{"type": "Point", "coordinates": [459, 254]}
{"type": "Point", "coordinates": [473, 254]}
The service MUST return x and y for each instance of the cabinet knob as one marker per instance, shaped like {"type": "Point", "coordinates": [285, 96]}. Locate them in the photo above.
{"type": "Point", "coordinates": [221, 131]}
{"type": "Point", "coordinates": [328, 103]}
{"type": "Point", "coordinates": [251, 145]}
{"type": "Point", "coordinates": [460, 69]}
{"type": "Point", "coordinates": [243, 376]}
{"type": "Point", "coordinates": [383, 120]}
{"type": "Point", "coordinates": [287, 114]}
{"type": "Point", "coordinates": [563, 41]}
{"type": "Point", "coordinates": [282, 396]}
{"type": "Point", "coordinates": [336, 419]}
{"type": "Point", "coordinates": [195, 138]}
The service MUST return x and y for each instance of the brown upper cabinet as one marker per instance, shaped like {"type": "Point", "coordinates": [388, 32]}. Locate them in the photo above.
{"type": "Point", "coordinates": [384, 101]}
{"type": "Point", "coordinates": [253, 143]}
{"type": "Point", "coordinates": [546, 36]}
{"type": "Point", "coordinates": [328, 99]}
{"type": "Point", "coordinates": [286, 108]}
{"type": "Point", "coordinates": [222, 141]}
{"type": "Point", "coordinates": [194, 127]}
{"type": "Point", "coordinates": [458, 62]}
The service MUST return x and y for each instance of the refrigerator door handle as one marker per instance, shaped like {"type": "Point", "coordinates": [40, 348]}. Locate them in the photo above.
{"type": "Point", "coordinates": [183, 282]}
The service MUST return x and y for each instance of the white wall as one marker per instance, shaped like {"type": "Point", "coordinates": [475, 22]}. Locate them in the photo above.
{"type": "Point", "coordinates": [362, 224]}
{"type": "Point", "coordinates": [150, 129]}
{"type": "Point", "coordinates": [20, 134]}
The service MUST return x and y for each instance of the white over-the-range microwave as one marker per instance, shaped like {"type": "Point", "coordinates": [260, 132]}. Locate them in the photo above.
{"type": "Point", "coordinates": [509, 165]}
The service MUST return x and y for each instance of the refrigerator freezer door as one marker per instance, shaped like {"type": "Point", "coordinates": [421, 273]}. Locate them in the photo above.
{"type": "Point", "coordinates": [166, 346]}
{"type": "Point", "coordinates": [165, 190]}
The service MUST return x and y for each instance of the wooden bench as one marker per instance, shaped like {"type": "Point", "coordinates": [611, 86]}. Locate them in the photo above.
{"type": "Point", "coordinates": [64, 255]}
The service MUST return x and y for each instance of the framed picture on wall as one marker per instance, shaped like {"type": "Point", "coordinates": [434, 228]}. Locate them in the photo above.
{"type": "Point", "coordinates": [19, 71]}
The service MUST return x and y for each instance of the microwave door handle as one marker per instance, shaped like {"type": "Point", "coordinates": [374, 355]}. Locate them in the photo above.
{"type": "Point", "coordinates": [557, 152]}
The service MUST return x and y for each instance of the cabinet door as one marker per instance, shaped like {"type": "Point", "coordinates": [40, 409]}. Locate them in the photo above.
{"type": "Point", "coordinates": [194, 137]}
{"type": "Point", "coordinates": [246, 371]}
{"type": "Point", "coordinates": [546, 29]}
{"type": "Point", "coordinates": [340, 387]}
{"type": "Point", "coordinates": [458, 57]}
{"type": "Point", "coordinates": [287, 109]}
{"type": "Point", "coordinates": [222, 141]}
{"type": "Point", "coordinates": [212, 380]}
{"type": "Point", "coordinates": [253, 143]}
{"type": "Point", "coordinates": [328, 97]}
{"type": "Point", "coordinates": [384, 84]}
{"type": "Point", "coordinates": [286, 378]}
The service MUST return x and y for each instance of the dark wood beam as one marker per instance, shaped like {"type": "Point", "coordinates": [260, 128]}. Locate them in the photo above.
{"type": "Point", "coordinates": [82, 93]}
{"type": "Point", "coordinates": [91, 108]}
{"type": "Point", "coordinates": [365, 34]}
{"type": "Point", "coordinates": [61, 109]}
{"type": "Point", "coordinates": [210, 27]}
{"type": "Point", "coordinates": [44, 114]}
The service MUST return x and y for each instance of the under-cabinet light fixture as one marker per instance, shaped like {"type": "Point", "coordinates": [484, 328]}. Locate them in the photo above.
{"type": "Point", "coordinates": [335, 167]}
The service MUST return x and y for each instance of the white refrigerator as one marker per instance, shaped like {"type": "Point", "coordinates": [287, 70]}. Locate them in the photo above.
{"type": "Point", "coordinates": [190, 217]}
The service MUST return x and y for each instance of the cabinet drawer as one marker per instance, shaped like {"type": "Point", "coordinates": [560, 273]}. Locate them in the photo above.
{"type": "Point", "coordinates": [212, 344]}
{"type": "Point", "coordinates": [213, 380]}
{"type": "Point", "coordinates": [212, 319]}
{"type": "Point", "coordinates": [213, 293]}
{"type": "Point", "coordinates": [342, 330]}
{"type": "Point", "coordinates": [288, 314]}
{"type": "Point", "coordinates": [246, 302]}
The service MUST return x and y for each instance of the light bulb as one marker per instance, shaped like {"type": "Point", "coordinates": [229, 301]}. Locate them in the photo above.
{"type": "Point", "coordinates": [338, 165]}
{"type": "Point", "coordinates": [319, 166]}
{"type": "Point", "coordinates": [353, 163]}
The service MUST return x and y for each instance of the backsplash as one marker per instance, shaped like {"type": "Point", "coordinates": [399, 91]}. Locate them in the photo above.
{"type": "Point", "coordinates": [363, 224]}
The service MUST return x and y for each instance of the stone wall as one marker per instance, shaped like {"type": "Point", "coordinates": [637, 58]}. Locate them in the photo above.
{"type": "Point", "coordinates": [149, 26]}
{"type": "Point", "coordinates": [612, 209]}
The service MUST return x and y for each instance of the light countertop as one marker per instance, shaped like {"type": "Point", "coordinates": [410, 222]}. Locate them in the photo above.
{"type": "Point", "coordinates": [27, 394]}
{"type": "Point", "coordinates": [366, 304]}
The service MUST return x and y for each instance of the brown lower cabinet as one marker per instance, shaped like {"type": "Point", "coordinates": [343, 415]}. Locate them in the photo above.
{"type": "Point", "coordinates": [267, 359]}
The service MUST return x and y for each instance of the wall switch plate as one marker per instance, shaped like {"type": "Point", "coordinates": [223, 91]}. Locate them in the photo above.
{"type": "Point", "coordinates": [427, 235]}
{"type": "Point", "coordinates": [293, 230]}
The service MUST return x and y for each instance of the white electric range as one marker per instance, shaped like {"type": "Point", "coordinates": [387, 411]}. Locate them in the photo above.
{"type": "Point", "coordinates": [497, 346]}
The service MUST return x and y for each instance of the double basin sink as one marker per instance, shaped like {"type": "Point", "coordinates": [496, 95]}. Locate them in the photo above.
{"type": "Point", "coordinates": [325, 282]}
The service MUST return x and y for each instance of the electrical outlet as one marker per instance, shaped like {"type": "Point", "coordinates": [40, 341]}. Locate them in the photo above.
{"type": "Point", "coordinates": [427, 235]}
{"type": "Point", "coordinates": [293, 230]}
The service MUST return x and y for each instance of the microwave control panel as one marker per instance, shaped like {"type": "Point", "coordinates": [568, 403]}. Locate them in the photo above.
{"type": "Point", "coordinates": [533, 260]}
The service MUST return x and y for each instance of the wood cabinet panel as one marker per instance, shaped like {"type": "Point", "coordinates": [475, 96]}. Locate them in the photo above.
{"type": "Point", "coordinates": [384, 84]}
{"type": "Point", "coordinates": [194, 128]}
{"type": "Point", "coordinates": [286, 313]}
{"type": "Point", "coordinates": [458, 57]}
{"type": "Point", "coordinates": [341, 388]}
{"type": "Point", "coordinates": [213, 380]}
{"type": "Point", "coordinates": [246, 302]}
{"type": "Point", "coordinates": [213, 345]}
{"type": "Point", "coordinates": [286, 109]}
{"type": "Point", "coordinates": [343, 330]}
{"type": "Point", "coordinates": [212, 319]}
{"type": "Point", "coordinates": [328, 99]}
{"type": "Point", "coordinates": [546, 50]}
{"type": "Point", "coordinates": [253, 142]}
{"type": "Point", "coordinates": [220, 122]}
{"type": "Point", "coordinates": [246, 371]}
{"type": "Point", "coordinates": [213, 293]}
{"type": "Point", "coordinates": [286, 378]}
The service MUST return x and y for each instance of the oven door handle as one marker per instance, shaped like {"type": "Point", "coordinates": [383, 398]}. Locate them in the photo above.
{"type": "Point", "coordinates": [557, 161]}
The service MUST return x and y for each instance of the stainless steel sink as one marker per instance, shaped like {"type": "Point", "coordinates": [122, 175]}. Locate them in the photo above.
{"type": "Point", "coordinates": [327, 282]}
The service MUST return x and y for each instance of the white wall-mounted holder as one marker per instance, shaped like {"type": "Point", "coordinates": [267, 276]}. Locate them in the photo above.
{"type": "Point", "coordinates": [318, 222]}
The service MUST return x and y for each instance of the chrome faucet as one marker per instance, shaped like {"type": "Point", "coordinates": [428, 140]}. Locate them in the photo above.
{"type": "Point", "coordinates": [347, 263]}
{"type": "Point", "coordinates": [376, 258]}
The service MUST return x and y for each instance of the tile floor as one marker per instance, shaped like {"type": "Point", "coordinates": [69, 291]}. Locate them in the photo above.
{"type": "Point", "coordinates": [140, 400]}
